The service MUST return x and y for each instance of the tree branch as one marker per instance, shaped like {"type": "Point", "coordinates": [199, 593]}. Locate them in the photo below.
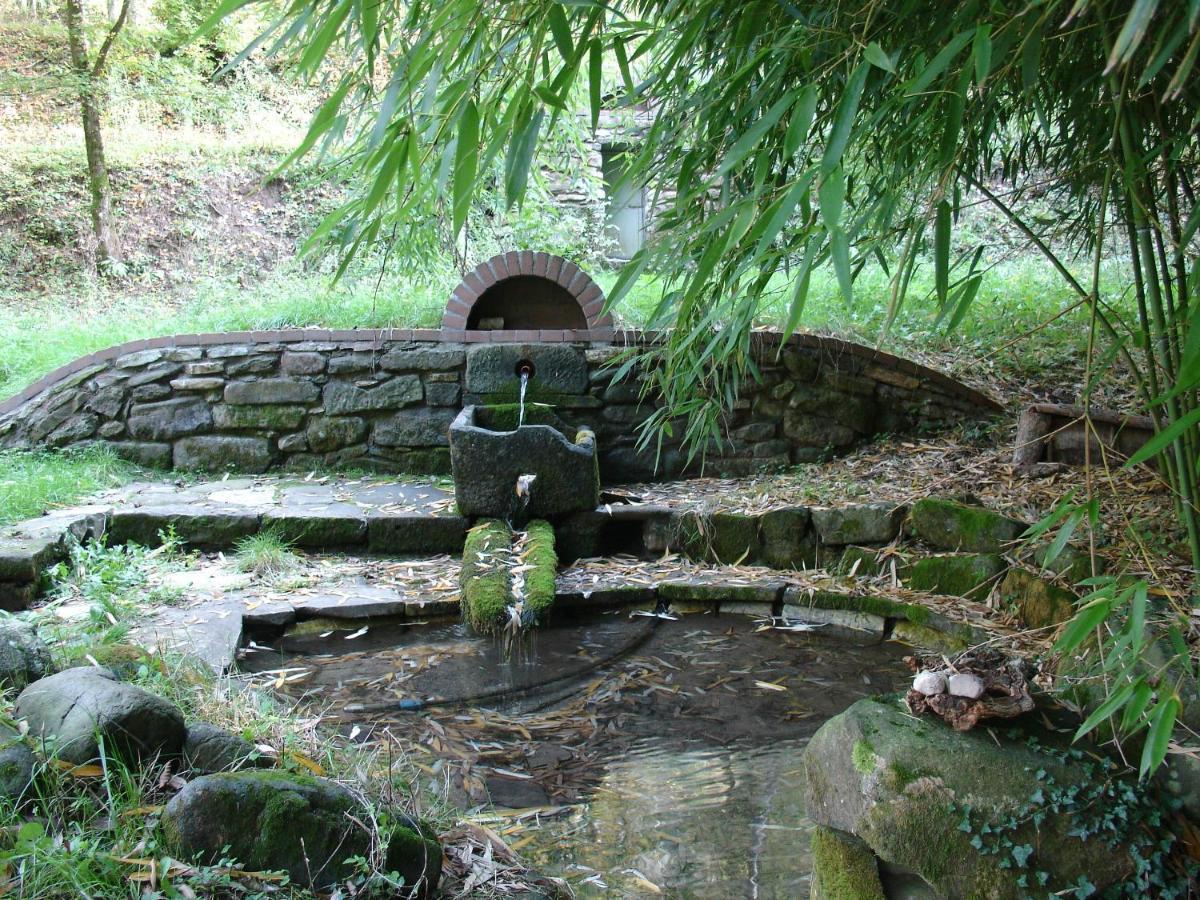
{"type": "Point", "coordinates": [102, 56]}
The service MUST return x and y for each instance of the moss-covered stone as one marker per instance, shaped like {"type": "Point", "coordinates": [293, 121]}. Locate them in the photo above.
{"type": "Point", "coordinates": [949, 525]}
{"type": "Point", "coordinates": [762, 592]}
{"type": "Point", "coordinates": [929, 638]}
{"type": "Point", "coordinates": [267, 417]}
{"type": "Point", "coordinates": [967, 575]}
{"type": "Point", "coordinates": [787, 538]}
{"type": "Point", "coordinates": [505, 416]}
{"type": "Point", "coordinates": [123, 660]}
{"type": "Point", "coordinates": [278, 821]}
{"type": "Point", "coordinates": [844, 868]}
{"type": "Point", "coordinates": [909, 806]}
{"type": "Point", "coordinates": [1072, 563]}
{"type": "Point", "coordinates": [735, 538]}
{"type": "Point", "coordinates": [863, 603]}
{"type": "Point", "coordinates": [539, 581]}
{"type": "Point", "coordinates": [863, 523]}
{"type": "Point", "coordinates": [485, 581]}
{"type": "Point", "coordinates": [870, 561]}
{"type": "Point", "coordinates": [1039, 603]}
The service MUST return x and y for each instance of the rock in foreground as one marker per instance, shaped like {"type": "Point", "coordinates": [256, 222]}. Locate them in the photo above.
{"type": "Point", "coordinates": [73, 711]}
{"type": "Point", "coordinates": [968, 812]}
{"type": "Point", "coordinates": [23, 656]}
{"type": "Point", "coordinates": [307, 827]}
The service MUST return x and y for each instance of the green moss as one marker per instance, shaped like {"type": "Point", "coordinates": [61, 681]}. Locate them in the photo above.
{"type": "Point", "coordinates": [268, 416]}
{"type": "Point", "coordinates": [124, 660]}
{"type": "Point", "coordinates": [504, 416]}
{"type": "Point", "coordinates": [540, 580]}
{"type": "Point", "coordinates": [949, 525]}
{"type": "Point", "coordinates": [844, 868]}
{"type": "Point", "coordinates": [485, 584]}
{"type": "Point", "coordinates": [1039, 603]}
{"type": "Point", "coordinates": [956, 574]}
{"type": "Point", "coordinates": [929, 638]}
{"type": "Point", "coordinates": [863, 757]}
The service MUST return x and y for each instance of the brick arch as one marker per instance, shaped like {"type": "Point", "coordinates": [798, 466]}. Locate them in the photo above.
{"type": "Point", "coordinates": [531, 291]}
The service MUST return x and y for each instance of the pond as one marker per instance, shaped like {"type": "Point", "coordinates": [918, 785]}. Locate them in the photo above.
{"type": "Point", "coordinates": [636, 755]}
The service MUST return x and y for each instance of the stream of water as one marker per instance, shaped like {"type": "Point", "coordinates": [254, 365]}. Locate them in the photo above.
{"type": "Point", "coordinates": [675, 767]}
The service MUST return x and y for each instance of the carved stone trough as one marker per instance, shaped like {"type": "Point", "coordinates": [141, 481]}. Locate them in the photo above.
{"type": "Point", "coordinates": [489, 452]}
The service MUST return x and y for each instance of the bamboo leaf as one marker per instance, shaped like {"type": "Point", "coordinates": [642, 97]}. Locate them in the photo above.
{"type": "Point", "coordinates": [1084, 623]}
{"type": "Point", "coordinates": [839, 250]}
{"type": "Point", "coordinates": [877, 57]}
{"type": "Point", "coordinates": [1132, 716]}
{"type": "Point", "coordinates": [520, 158]}
{"type": "Point", "coordinates": [465, 162]}
{"type": "Point", "coordinates": [800, 290]}
{"type": "Point", "coordinates": [938, 64]}
{"type": "Point", "coordinates": [595, 74]}
{"type": "Point", "coordinates": [561, 32]}
{"type": "Point", "coordinates": [843, 120]}
{"type": "Point", "coordinates": [941, 251]}
{"type": "Point", "coordinates": [753, 135]}
{"type": "Point", "coordinates": [831, 195]}
{"type": "Point", "coordinates": [1162, 723]}
{"type": "Point", "coordinates": [1115, 701]}
{"type": "Point", "coordinates": [801, 121]}
{"type": "Point", "coordinates": [1131, 33]}
{"type": "Point", "coordinates": [982, 45]}
{"type": "Point", "coordinates": [1174, 430]}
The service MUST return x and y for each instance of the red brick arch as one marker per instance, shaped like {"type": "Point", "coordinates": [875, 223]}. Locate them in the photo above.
{"type": "Point", "coordinates": [529, 291]}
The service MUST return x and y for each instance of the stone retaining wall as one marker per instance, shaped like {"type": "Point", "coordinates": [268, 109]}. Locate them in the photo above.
{"type": "Point", "coordinates": [383, 400]}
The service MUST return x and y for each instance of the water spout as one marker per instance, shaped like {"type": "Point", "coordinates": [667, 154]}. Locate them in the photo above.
{"type": "Point", "coordinates": [521, 399]}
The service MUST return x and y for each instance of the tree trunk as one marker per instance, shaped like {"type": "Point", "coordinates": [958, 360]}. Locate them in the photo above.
{"type": "Point", "coordinates": [107, 248]}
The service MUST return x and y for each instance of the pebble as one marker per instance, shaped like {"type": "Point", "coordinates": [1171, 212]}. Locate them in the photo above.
{"type": "Point", "coordinates": [966, 685]}
{"type": "Point", "coordinates": [929, 683]}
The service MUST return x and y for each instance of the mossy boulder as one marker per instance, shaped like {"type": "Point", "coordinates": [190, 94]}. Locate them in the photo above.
{"type": "Point", "coordinates": [949, 525]}
{"type": "Point", "coordinates": [920, 795]}
{"type": "Point", "coordinates": [23, 655]}
{"type": "Point", "coordinates": [967, 575]}
{"type": "Point", "coordinates": [307, 827]}
{"type": "Point", "coordinates": [124, 660]}
{"type": "Point", "coordinates": [844, 868]}
{"type": "Point", "coordinates": [871, 561]}
{"type": "Point", "coordinates": [1039, 603]}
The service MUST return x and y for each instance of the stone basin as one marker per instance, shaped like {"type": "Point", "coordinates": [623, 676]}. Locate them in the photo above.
{"type": "Point", "coordinates": [489, 452]}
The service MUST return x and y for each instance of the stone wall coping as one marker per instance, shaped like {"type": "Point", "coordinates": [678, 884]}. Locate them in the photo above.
{"type": "Point", "coordinates": [376, 338]}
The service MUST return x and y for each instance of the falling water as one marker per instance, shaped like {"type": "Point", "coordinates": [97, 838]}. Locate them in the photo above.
{"type": "Point", "coordinates": [521, 402]}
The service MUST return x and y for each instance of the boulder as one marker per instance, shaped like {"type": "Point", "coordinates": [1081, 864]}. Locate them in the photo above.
{"type": "Point", "coordinates": [949, 525]}
{"type": "Point", "coordinates": [17, 763]}
{"type": "Point", "coordinates": [863, 523]}
{"type": "Point", "coordinates": [960, 809]}
{"type": "Point", "coordinates": [23, 656]}
{"type": "Point", "coordinates": [307, 827]}
{"type": "Point", "coordinates": [208, 749]}
{"type": "Point", "coordinates": [72, 711]}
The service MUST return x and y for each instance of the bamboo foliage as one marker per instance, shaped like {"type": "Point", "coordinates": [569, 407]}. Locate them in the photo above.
{"type": "Point", "coordinates": [789, 136]}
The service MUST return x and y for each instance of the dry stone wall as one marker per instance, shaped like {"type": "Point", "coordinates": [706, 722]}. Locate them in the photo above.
{"type": "Point", "coordinates": [384, 401]}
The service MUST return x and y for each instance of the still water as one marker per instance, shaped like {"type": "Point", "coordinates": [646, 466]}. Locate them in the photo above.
{"type": "Point", "coordinates": [645, 756]}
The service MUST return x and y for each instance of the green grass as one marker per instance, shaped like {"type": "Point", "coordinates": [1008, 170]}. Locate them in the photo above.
{"type": "Point", "coordinates": [33, 482]}
{"type": "Point", "coordinates": [266, 554]}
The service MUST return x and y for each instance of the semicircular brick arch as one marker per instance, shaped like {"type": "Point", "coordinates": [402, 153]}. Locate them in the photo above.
{"type": "Point", "coordinates": [519, 291]}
